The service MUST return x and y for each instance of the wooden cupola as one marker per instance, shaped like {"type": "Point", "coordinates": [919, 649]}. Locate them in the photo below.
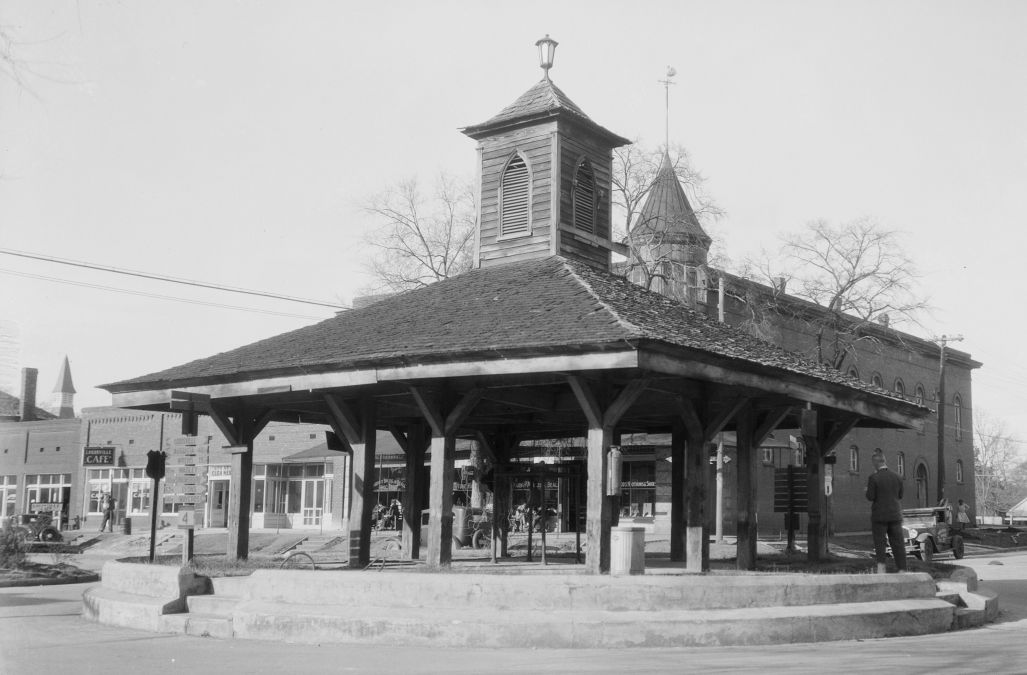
{"type": "Point", "coordinates": [545, 180]}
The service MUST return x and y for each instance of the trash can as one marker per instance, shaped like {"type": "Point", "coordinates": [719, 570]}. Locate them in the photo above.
{"type": "Point", "coordinates": [128, 525]}
{"type": "Point", "coordinates": [627, 550]}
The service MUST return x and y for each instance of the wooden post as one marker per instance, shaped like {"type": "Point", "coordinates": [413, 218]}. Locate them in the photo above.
{"type": "Point", "coordinates": [746, 491]}
{"type": "Point", "coordinates": [697, 531]}
{"type": "Point", "coordinates": [501, 506]}
{"type": "Point", "coordinates": [677, 491]}
{"type": "Point", "coordinates": [440, 501]}
{"type": "Point", "coordinates": [239, 499]}
{"type": "Point", "coordinates": [417, 439]}
{"type": "Point", "coordinates": [363, 498]}
{"type": "Point", "coordinates": [598, 511]}
{"type": "Point", "coordinates": [187, 546]}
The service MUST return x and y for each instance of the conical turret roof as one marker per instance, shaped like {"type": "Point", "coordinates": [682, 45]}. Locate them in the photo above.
{"type": "Point", "coordinates": [667, 211]}
{"type": "Point", "coordinates": [64, 384]}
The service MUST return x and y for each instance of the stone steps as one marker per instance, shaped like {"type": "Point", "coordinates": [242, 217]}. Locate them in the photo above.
{"type": "Point", "coordinates": [314, 624]}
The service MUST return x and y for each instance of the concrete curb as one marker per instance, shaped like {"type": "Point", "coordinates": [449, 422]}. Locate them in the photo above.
{"type": "Point", "coordinates": [86, 579]}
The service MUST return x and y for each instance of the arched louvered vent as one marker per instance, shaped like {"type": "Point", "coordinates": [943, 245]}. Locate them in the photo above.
{"type": "Point", "coordinates": [514, 202]}
{"type": "Point", "coordinates": [585, 198]}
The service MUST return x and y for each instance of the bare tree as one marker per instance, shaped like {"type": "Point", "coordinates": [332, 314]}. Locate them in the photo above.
{"type": "Point", "coordinates": [655, 249]}
{"type": "Point", "coordinates": [635, 168]}
{"type": "Point", "coordinates": [420, 238]}
{"type": "Point", "coordinates": [857, 271]}
{"type": "Point", "coordinates": [1000, 468]}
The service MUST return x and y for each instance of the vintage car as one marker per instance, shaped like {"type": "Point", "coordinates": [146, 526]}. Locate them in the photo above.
{"type": "Point", "coordinates": [927, 532]}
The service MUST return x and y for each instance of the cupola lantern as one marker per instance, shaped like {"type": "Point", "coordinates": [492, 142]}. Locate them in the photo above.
{"type": "Point", "coordinates": [546, 52]}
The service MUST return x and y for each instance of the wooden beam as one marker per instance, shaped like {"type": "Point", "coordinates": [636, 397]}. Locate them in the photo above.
{"type": "Point", "coordinates": [513, 366]}
{"type": "Point", "coordinates": [627, 397]}
{"type": "Point", "coordinates": [346, 421]}
{"type": "Point", "coordinates": [693, 426]}
{"type": "Point", "coordinates": [486, 446]}
{"type": "Point", "coordinates": [429, 407]}
{"type": "Point", "coordinates": [587, 400]}
{"type": "Point", "coordinates": [836, 433]}
{"type": "Point", "coordinates": [793, 385]}
{"type": "Point", "coordinates": [719, 419]}
{"type": "Point", "coordinates": [224, 423]}
{"type": "Point", "coordinates": [769, 423]}
{"type": "Point", "coordinates": [461, 410]}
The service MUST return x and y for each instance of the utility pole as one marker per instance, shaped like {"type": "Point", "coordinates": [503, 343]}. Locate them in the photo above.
{"type": "Point", "coordinates": [943, 343]}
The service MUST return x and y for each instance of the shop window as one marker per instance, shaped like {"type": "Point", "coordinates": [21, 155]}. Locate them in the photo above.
{"type": "Point", "coordinates": [8, 495]}
{"type": "Point", "coordinates": [638, 489]}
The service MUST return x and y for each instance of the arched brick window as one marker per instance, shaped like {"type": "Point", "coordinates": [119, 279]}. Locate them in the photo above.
{"type": "Point", "coordinates": [854, 459]}
{"type": "Point", "coordinates": [959, 471]}
{"type": "Point", "coordinates": [900, 464]}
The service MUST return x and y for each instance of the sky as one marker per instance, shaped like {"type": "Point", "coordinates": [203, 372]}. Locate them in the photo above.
{"type": "Point", "coordinates": [234, 142]}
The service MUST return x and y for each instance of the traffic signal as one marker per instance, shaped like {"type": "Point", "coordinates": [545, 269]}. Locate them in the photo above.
{"type": "Point", "coordinates": [155, 463]}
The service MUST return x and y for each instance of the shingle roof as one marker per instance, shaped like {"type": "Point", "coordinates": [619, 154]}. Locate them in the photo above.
{"type": "Point", "coordinates": [666, 210]}
{"type": "Point", "coordinates": [549, 304]}
{"type": "Point", "coordinates": [10, 406]}
{"type": "Point", "coordinates": [543, 100]}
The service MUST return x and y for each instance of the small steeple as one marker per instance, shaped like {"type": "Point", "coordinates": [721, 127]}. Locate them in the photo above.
{"type": "Point", "coordinates": [668, 216]}
{"type": "Point", "coordinates": [545, 178]}
{"type": "Point", "coordinates": [64, 392]}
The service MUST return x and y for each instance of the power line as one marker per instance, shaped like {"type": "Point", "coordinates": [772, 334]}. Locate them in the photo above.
{"type": "Point", "coordinates": [158, 296]}
{"type": "Point", "coordinates": [158, 277]}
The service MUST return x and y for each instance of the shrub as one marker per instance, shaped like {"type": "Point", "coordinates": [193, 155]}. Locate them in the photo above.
{"type": "Point", "coordinates": [12, 547]}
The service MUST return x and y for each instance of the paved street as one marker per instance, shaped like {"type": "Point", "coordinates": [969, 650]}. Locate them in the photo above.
{"type": "Point", "coordinates": [41, 630]}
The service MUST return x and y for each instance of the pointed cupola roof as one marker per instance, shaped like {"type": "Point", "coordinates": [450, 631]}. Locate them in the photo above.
{"type": "Point", "coordinates": [542, 102]}
{"type": "Point", "coordinates": [64, 384]}
{"type": "Point", "coordinates": [667, 211]}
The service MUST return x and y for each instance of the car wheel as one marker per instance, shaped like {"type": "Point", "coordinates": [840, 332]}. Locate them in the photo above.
{"type": "Point", "coordinates": [927, 550]}
{"type": "Point", "coordinates": [957, 547]}
{"type": "Point", "coordinates": [49, 534]}
{"type": "Point", "coordinates": [480, 540]}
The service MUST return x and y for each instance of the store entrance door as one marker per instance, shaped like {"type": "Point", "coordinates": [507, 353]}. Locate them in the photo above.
{"type": "Point", "coordinates": [219, 503]}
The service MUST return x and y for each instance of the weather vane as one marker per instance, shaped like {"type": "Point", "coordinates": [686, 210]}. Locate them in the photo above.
{"type": "Point", "coordinates": [666, 86]}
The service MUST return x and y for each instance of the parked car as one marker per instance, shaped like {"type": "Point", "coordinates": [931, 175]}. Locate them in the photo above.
{"type": "Point", "coordinates": [471, 526]}
{"type": "Point", "coordinates": [36, 527]}
{"type": "Point", "coordinates": [927, 533]}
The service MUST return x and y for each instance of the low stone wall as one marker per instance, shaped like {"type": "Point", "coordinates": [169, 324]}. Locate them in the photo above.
{"type": "Point", "coordinates": [137, 595]}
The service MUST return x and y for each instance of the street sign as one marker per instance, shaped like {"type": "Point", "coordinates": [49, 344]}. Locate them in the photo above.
{"type": "Point", "coordinates": [187, 519]}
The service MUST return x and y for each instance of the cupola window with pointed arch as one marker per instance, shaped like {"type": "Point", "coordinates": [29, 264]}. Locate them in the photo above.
{"type": "Point", "coordinates": [515, 198]}
{"type": "Point", "coordinates": [585, 203]}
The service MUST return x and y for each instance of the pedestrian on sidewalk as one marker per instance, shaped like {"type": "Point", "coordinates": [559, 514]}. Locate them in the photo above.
{"type": "Point", "coordinates": [884, 491]}
{"type": "Point", "coordinates": [108, 512]}
{"type": "Point", "coordinates": [963, 515]}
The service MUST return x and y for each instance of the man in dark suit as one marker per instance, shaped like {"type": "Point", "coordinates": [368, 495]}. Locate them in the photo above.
{"type": "Point", "coordinates": [884, 490]}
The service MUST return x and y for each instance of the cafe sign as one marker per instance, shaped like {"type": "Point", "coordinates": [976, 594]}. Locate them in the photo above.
{"type": "Point", "coordinates": [101, 456]}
